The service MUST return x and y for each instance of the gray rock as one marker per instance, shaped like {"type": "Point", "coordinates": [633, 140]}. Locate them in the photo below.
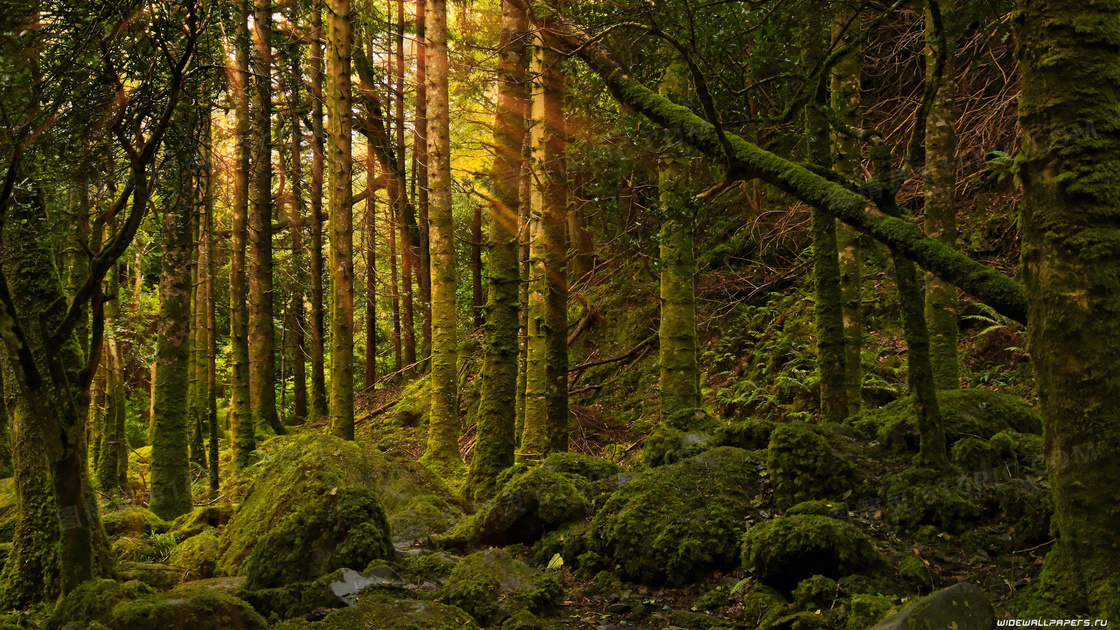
{"type": "Point", "coordinates": [960, 607]}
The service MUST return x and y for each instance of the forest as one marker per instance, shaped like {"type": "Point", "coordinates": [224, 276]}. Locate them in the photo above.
{"type": "Point", "coordinates": [545, 315]}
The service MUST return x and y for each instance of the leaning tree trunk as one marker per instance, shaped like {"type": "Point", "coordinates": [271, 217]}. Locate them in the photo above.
{"type": "Point", "coordinates": [241, 418]}
{"type": "Point", "coordinates": [340, 173]}
{"type": "Point", "coordinates": [262, 333]}
{"type": "Point", "coordinates": [546, 370]}
{"type": "Point", "coordinates": [1070, 52]}
{"type": "Point", "coordinates": [846, 100]}
{"type": "Point", "coordinates": [940, 191]}
{"type": "Point", "coordinates": [677, 336]}
{"type": "Point", "coordinates": [443, 423]}
{"type": "Point", "coordinates": [494, 448]}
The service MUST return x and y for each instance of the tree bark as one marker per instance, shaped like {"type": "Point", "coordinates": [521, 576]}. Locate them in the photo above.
{"type": "Point", "coordinates": [340, 171]}
{"type": "Point", "coordinates": [318, 143]}
{"type": "Point", "coordinates": [296, 221]}
{"type": "Point", "coordinates": [477, 301]}
{"type": "Point", "coordinates": [420, 155]}
{"type": "Point", "coordinates": [371, 273]}
{"type": "Point", "coordinates": [443, 423]}
{"type": "Point", "coordinates": [494, 448]}
{"type": "Point", "coordinates": [405, 218]}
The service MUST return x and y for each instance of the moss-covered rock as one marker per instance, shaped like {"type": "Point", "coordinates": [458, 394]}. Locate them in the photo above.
{"type": "Point", "coordinates": [802, 466]}
{"type": "Point", "coordinates": [866, 609]}
{"type": "Point", "coordinates": [133, 606]}
{"type": "Point", "coordinates": [294, 600]}
{"type": "Point", "coordinates": [673, 523]}
{"type": "Point", "coordinates": [417, 502]}
{"type": "Point", "coordinates": [977, 413]}
{"type": "Point", "coordinates": [160, 577]}
{"type": "Point", "coordinates": [834, 509]}
{"type": "Point", "coordinates": [914, 571]}
{"type": "Point", "coordinates": [310, 510]}
{"type": "Point", "coordinates": [378, 612]}
{"type": "Point", "coordinates": [536, 501]}
{"type": "Point", "coordinates": [197, 556]}
{"type": "Point", "coordinates": [764, 604]}
{"type": "Point", "coordinates": [589, 467]}
{"type": "Point", "coordinates": [961, 606]}
{"type": "Point", "coordinates": [491, 585]}
{"type": "Point", "coordinates": [815, 592]}
{"type": "Point", "coordinates": [135, 549]}
{"type": "Point", "coordinates": [922, 496]}
{"type": "Point", "coordinates": [685, 434]}
{"type": "Point", "coordinates": [200, 519]}
{"type": "Point", "coordinates": [132, 521]}
{"type": "Point", "coordinates": [7, 509]}
{"type": "Point", "coordinates": [786, 550]}
{"type": "Point", "coordinates": [751, 434]}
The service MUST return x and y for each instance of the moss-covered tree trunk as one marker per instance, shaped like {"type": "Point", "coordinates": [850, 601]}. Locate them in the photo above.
{"type": "Point", "coordinates": [370, 230]}
{"type": "Point", "coordinates": [262, 333]}
{"type": "Point", "coordinates": [443, 423]}
{"type": "Point", "coordinates": [318, 400]}
{"type": "Point", "coordinates": [420, 155]}
{"type": "Point", "coordinates": [478, 314]}
{"type": "Point", "coordinates": [296, 222]}
{"type": "Point", "coordinates": [171, 432]}
{"type": "Point", "coordinates": [112, 441]}
{"type": "Point", "coordinates": [207, 268]}
{"type": "Point", "coordinates": [340, 172]}
{"type": "Point", "coordinates": [846, 96]}
{"type": "Point", "coordinates": [546, 370]}
{"type": "Point", "coordinates": [240, 413]}
{"type": "Point", "coordinates": [497, 412]}
{"type": "Point", "coordinates": [525, 204]}
{"type": "Point", "coordinates": [409, 231]}
{"type": "Point", "coordinates": [677, 336]}
{"type": "Point", "coordinates": [827, 276]}
{"type": "Point", "coordinates": [195, 368]}
{"type": "Point", "coordinates": [1070, 55]}
{"type": "Point", "coordinates": [940, 197]}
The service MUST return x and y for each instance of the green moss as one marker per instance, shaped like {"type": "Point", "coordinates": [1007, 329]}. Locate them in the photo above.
{"type": "Point", "coordinates": [132, 521]}
{"type": "Point", "coordinates": [430, 567]}
{"type": "Point", "coordinates": [819, 508]}
{"type": "Point", "coordinates": [160, 577]}
{"type": "Point", "coordinates": [537, 501]}
{"type": "Point", "coordinates": [200, 519]}
{"type": "Point", "coordinates": [814, 593]}
{"type": "Point", "coordinates": [388, 614]}
{"type": "Point", "coordinates": [604, 583]}
{"type": "Point", "coordinates": [978, 413]}
{"type": "Point", "coordinates": [913, 570]}
{"type": "Point", "coordinates": [294, 600]}
{"type": "Point", "coordinates": [673, 523]}
{"type": "Point", "coordinates": [197, 556]}
{"type": "Point", "coordinates": [926, 497]}
{"type": "Point", "coordinates": [92, 601]}
{"type": "Point", "coordinates": [491, 585]}
{"type": "Point", "coordinates": [711, 600]}
{"type": "Point", "coordinates": [8, 515]}
{"type": "Point", "coordinates": [684, 434]}
{"type": "Point", "coordinates": [749, 435]}
{"type": "Point", "coordinates": [802, 466]}
{"type": "Point", "coordinates": [865, 610]}
{"type": "Point", "coordinates": [186, 609]}
{"type": "Point", "coordinates": [590, 468]}
{"type": "Point", "coordinates": [786, 550]}
{"type": "Point", "coordinates": [135, 549]}
{"type": "Point", "coordinates": [309, 511]}
{"type": "Point", "coordinates": [764, 604]}
{"type": "Point", "coordinates": [417, 501]}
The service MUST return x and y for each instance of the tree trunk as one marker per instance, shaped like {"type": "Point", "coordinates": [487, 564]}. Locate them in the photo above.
{"type": "Point", "coordinates": [398, 361]}
{"type": "Point", "coordinates": [546, 371]}
{"type": "Point", "coordinates": [443, 423]}
{"type": "Point", "coordinates": [108, 462]}
{"type": "Point", "coordinates": [677, 335]}
{"type": "Point", "coordinates": [494, 448]}
{"type": "Point", "coordinates": [262, 333]}
{"type": "Point", "coordinates": [340, 170]}
{"type": "Point", "coordinates": [940, 193]}
{"type": "Point", "coordinates": [240, 412]}
{"type": "Point", "coordinates": [846, 101]}
{"type": "Point", "coordinates": [206, 267]}
{"type": "Point", "coordinates": [318, 143]}
{"type": "Point", "coordinates": [477, 303]}
{"type": "Point", "coordinates": [827, 275]}
{"type": "Point", "coordinates": [1069, 52]}
{"type": "Point", "coordinates": [371, 272]}
{"type": "Point", "coordinates": [420, 155]}
{"type": "Point", "coordinates": [405, 220]}
{"type": "Point", "coordinates": [296, 221]}
{"type": "Point", "coordinates": [524, 208]}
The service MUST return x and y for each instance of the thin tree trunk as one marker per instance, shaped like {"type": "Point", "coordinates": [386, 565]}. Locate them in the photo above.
{"type": "Point", "coordinates": [420, 155]}
{"type": "Point", "coordinates": [443, 422]}
{"type": "Point", "coordinates": [398, 357]}
{"type": "Point", "coordinates": [206, 267]}
{"type": "Point", "coordinates": [404, 218]}
{"type": "Point", "coordinates": [318, 325]}
{"type": "Point", "coordinates": [546, 385]}
{"type": "Point", "coordinates": [477, 301]}
{"type": "Point", "coordinates": [340, 171]}
{"type": "Point", "coordinates": [677, 336]}
{"type": "Point", "coordinates": [494, 449]}
{"type": "Point", "coordinates": [111, 441]}
{"type": "Point", "coordinates": [241, 419]}
{"type": "Point", "coordinates": [371, 272]}
{"type": "Point", "coordinates": [940, 207]}
{"type": "Point", "coordinates": [846, 100]}
{"type": "Point", "coordinates": [524, 208]}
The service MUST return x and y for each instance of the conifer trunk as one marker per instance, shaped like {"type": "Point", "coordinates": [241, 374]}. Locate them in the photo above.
{"type": "Point", "coordinates": [318, 144]}
{"type": "Point", "coordinates": [340, 171]}
{"type": "Point", "coordinates": [296, 222]}
{"type": "Point", "coordinates": [494, 448]}
{"type": "Point", "coordinates": [420, 155]}
{"type": "Point", "coordinates": [371, 272]}
{"type": "Point", "coordinates": [405, 220]}
{"type": "Point", "coordinates": [443, 423]}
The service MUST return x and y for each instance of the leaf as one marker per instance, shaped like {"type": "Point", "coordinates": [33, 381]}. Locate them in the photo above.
{"type": "Point", "coordinates": [556, 562]}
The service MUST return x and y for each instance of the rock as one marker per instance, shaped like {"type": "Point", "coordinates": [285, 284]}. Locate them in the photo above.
{"type": "Point", "coordinates": [352, 582]}
{"type": "Point", "coordinates": [865, 609]}
{"type": "Point", "coordinates": [379, 612]}
{"type": "Point", "coordinates": [751, 435]}
{"type": "Point", "coordinates": [786, 550]}
{"type": "Point", "coordinates": [802, 466]}
{"type": "Point", "coordinates": [132, 521]}
{"type": "Point", "coordinates": [197, 556]}
{"type": "Point", "coordinates": [673, 523]}
{"type": "Point", "coordinates": [966, 412]}
{"type": "Point", "coordinates": [491, 585]}
{"type": "Point", "coordinates": [417, 502]}
{"type": "Point", "coordinates": [128, 607]}
{"type": "Point", "coordinates": [200, 519]}
{"type": "Point", "coordinates": [620, 608]}
{"type": "Point", "coordinates": [540, 499]}
{"type": "Point", "coordinates": [685, 434]}
{"type": "Point", "coordinates": [159, 576]}
{"type": "Point", "coordinates": [960, 607]}
{"type": "Point", "coordinates": [921, 496]}
{"type": "Point", "coordinates": [310, 510]}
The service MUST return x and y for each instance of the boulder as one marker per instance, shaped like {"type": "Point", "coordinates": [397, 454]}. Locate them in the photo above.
{"type": "Point", "coordinates": [491, 586]}
{"type": "Point", "coordinates": [160, 577]}
{"type": "Point", "coordinates": [132, 521]}
{"type": "Point", "coordinates": [685, 434]}
{"type": "Point", "coordinates": [673, 523]}
{"type": "Point", "coordinates": [311, 509]}
{"type": "Point", "coordinates": [379, 612]}
{"type": "Point", "coordinates": [133, 606]}
{"type": "Point", "coordinates": [786, 550]}
{"type": "Point", "coordinates": [803, 467]}
{"type": "Point", "coordinates": [960, 607]}
{"type": "Point", "coordinates": [197, 556]}
{"type": "Point", "coordinates": [417, 502]}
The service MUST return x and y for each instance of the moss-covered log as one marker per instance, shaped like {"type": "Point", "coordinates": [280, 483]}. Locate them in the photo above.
{"type": "Point", "coordinates": [1070, 55]}
{"type": "Point", "coordinates": [747, 160]}
{"type": "Point", "coordinates": [496, 411]}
